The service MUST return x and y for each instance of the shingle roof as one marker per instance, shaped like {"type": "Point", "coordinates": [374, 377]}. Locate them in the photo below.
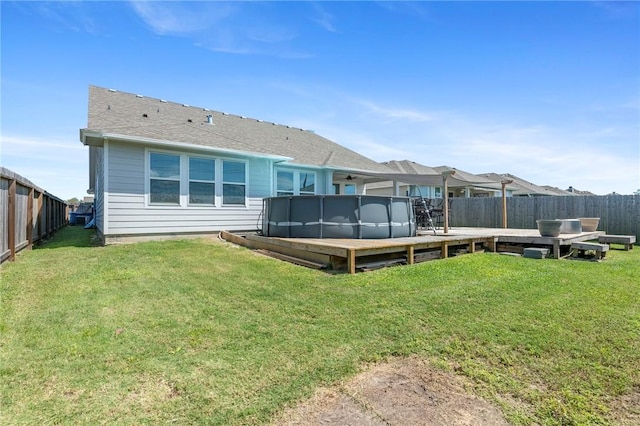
{"type": "Point", "coordinates": [136, 116]}
{"type": "Point", "coordinates": [410, 172]}
{"type": "Point", "coordinates": [469, 177]}
{"type": "Point", "coordinates": [411, 167]}
{"type": "Point", "coordinates": [556, 191]}
{"type": "Point", "coordinates": [522, 186]}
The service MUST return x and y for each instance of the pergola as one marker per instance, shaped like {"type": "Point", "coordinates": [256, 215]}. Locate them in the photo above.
{"type": "Point", "coordinates": [429, 176]}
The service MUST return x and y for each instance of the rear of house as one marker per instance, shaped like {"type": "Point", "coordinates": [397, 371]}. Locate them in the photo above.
{"type": "Point", "coordinates": [160, 169]}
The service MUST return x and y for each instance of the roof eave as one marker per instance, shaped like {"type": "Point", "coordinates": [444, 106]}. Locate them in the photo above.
{"type": "Point", "coordinates": [93, 138]}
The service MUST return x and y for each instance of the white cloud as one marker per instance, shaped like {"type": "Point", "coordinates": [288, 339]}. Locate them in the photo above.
{"type": "Point", "coordinates": [68, 16]}
{"type": "Point", "coordinates": [323, 18]}
{"type": "Point", "coordinates": [618, 10]}
{"type": "Point", "coordinates": [226, 27]}
{"type": "Point", "coordinates": [416, 9]}
{"type": "Point", "coordinates": [584, 156]}
{"type": "Point", "coordinates": [394, 113]}
{"type": "Point", "coordinates": [56, 165]}
{"type": "Point", "coordinates": [544, 155]}
{"type": "Point", "coordinates": [181, 18]}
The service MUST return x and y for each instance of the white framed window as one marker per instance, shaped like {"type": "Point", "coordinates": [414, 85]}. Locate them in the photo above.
{"type": "Point", "coordinates": [202, 177]}
{"type": "Point", "coordinates": [164, 178]}
{"type": "Point", "coordinates": [295, 182]}
{"type": "Point", "coordinates": [350, 189]}
{"type": "Point", "coordinates": [197, 181]}
{"type": "Point", "coordinates": [284, 182]}
{"type": "Point", "coordinates": [307, 183]}
{"type": "Point", "coordinates": [233, 182]}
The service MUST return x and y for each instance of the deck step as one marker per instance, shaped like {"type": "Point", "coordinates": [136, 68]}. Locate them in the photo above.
{"type": "Point", "coordinates": [626, 240]}
{"type": "Point", "coordinates": [536, 253]}
{"type": "Point", "coordinates": [580, 249]}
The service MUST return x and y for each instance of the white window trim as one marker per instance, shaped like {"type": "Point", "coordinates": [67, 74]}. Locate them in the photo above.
{"type": "Point", "coordinates": [184, 181]}
{"type": "Point", "coordinates": [147, 179]}
{"type": "Point", "coordinates": [299, 184]}
{"type": "Point", "coordinates": [245, 183]}
{"type": "Point", "coordinates": [296, 180]}
{"type": "Point", "coordinates": [276, 191]}
{"type": "Point", "coordinates": [215, 181]}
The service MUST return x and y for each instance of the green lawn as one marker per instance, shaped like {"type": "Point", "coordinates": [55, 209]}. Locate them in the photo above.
{"type": "Point", "coordinates": [198, 331]}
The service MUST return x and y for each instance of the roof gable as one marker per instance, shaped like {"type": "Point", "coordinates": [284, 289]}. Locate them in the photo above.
{"type": "Point", "coordinates": [411, 167]}
{"type": "Point", "coordinates": [521, 186]}
{"type": "Point", "coordinates": [140, 117]}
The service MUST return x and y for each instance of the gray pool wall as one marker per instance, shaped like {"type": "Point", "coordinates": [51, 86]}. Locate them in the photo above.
{"type": "Point", "coordinates": [338, 216]}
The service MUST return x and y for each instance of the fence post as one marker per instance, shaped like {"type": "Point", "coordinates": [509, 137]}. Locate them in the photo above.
{"type": "Point", "coordinates": [39, 219]}
{"type": "Point", "coordinates": [30, 219]}
{"type": "Point", "coordinates": [50, 213]}
{"type": "Point", "coordinates": [26, 221]}
{"type": "Point", "coordinates": [11, 217]}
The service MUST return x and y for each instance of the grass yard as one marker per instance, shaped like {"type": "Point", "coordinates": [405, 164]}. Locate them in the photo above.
{"type": "Point", "coordinates": [198, 331]}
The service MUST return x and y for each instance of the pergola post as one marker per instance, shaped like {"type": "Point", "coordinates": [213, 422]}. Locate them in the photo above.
{"type": "Point", "coordinates": [445, 207]}
{"type": "Point", "coordinates": [504, 183]}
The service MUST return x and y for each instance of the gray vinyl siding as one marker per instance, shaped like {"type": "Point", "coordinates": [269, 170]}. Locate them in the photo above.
{"type": "Point", "coordinates": [127, 213]}
{"type": "Point", "coordinates": [98, 185]}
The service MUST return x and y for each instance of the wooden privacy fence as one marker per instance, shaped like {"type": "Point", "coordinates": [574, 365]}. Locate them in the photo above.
{"type": "Point", "coordinates": [619, 214]}
{"type": "Point", "coordinates": [27, 214]}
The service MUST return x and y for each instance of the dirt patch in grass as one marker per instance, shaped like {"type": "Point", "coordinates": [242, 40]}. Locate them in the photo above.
{"type": "Point", "coordinates": [625, 410]}
{"type": "Point", "coordinates": [403, 391]}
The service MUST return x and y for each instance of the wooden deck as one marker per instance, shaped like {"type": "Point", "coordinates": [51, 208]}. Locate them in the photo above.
{"type": "Point", "coordinates": [352, 255]}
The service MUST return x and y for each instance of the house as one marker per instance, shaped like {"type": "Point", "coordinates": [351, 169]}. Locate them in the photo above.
{"type": "Point", "coordinates": [573, 191]}
{"type": "Point", "coordinates": [417, 180]}
{"type": "Point", "coordinates": [522, 187]}
{"type": "Point", "coordinates": [160, 168]}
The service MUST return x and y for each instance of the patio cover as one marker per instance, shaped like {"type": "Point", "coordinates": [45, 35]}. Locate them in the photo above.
{"type": "Point", "coordinates": [413, 173]}
{"type": "Point", "coordinates": [417, 174]}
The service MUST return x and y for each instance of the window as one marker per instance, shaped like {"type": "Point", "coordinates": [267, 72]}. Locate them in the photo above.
{"type": "Point", "coordinates": [285, 183]}
{"type": "Point", "coordinates": [290, 182]}
{"type": "Point", "coordinates": [350, 188]}
{"type": "Point", "coordinates": [307, 183]}
{"type": "Point", "coordinates": [233, 182]}
{"type": "Point", "coordinates": [202, 188]}
{"type": "Point", "coordinates": [420, 191]}
{"type": "Point", "coordinates": [164, 182]}
{"type": "Point", "coordinates": [195, 181]}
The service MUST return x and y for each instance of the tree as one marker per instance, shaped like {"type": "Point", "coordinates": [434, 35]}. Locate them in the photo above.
{"type": "Point", "coordinates": [73, 200]}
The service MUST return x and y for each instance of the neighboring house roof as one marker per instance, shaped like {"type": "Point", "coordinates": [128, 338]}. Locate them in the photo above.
{"type": "Point", "coordinates": [574, 191]}
{"type": "Point", "coordinates": [557, 191]}
{"type": "Point", "coordinates": [521, 186]}
{"type": "Point", "coordinates": [470, 179]}
{"type": "Point", "coordinates": [411, 167]}
{"type": "Point", "coordinates": [410, 172]}
{"type": "Point", "coordinates": [133, 117]}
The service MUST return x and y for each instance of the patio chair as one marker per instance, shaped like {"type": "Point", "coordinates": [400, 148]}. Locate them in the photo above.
{"type": "Point", "coordinates": [423, 215]}
{"type": "Point", "coordinates": [437, 212]}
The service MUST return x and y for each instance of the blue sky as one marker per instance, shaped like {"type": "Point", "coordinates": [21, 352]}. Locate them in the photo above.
{"type": "Point", "coordinates": [548, 91]}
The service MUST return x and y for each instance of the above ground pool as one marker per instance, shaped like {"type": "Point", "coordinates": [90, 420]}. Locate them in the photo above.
{"type": "Point", "coordinates": [338, 216]}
